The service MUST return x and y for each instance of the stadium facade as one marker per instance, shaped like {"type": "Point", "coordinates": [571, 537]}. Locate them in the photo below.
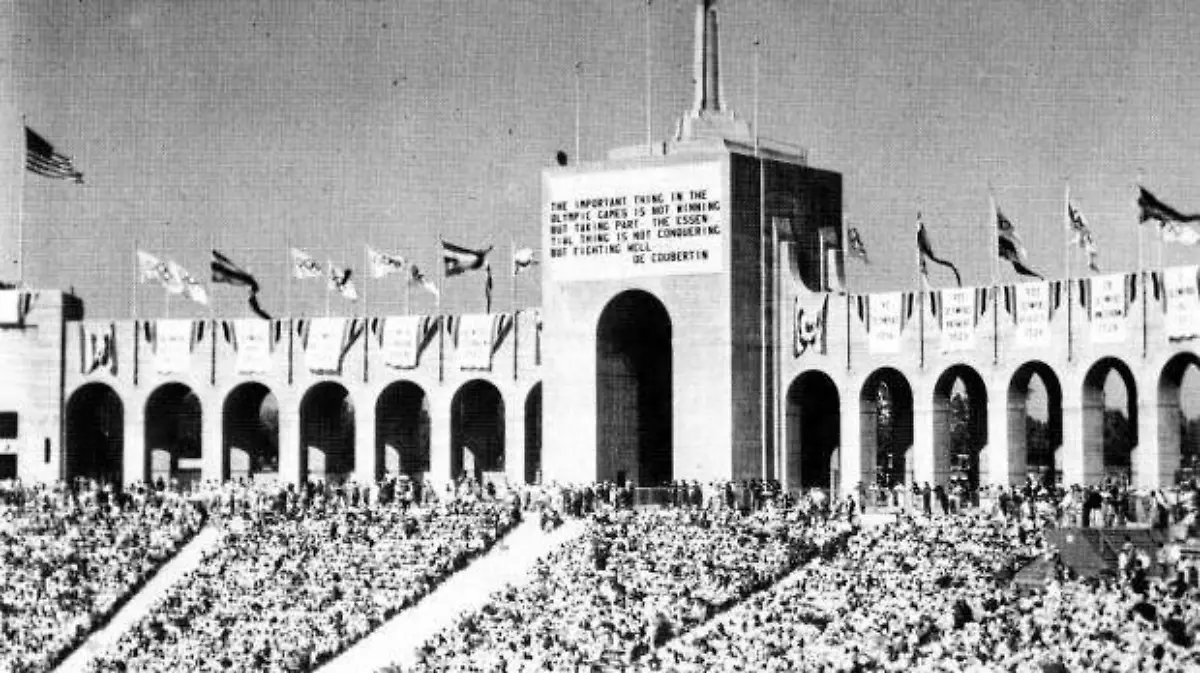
{"type": "Point", "coordinates": [694, 326]}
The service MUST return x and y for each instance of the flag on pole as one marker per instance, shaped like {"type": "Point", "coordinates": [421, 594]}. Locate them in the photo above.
{"type": "Point", "coordinates": [43, 159]}
{"type": "Point", "coordinates": [1081, 236]}
{"type": "Point", "coordinates": [856, 246]}
{"type": "Point", "coordinates": [225, 271]}
{"type": "Point", "coordinates": [1010, 247]}
{"type": "Point", "coordinates": [927, 254]}
{"type": "Point", "coordinates": [339, 281]}
{"type": "Point", "coordinates": [523, 259]}
{"type": "Point", "coordinates": [415, 277]}
{"type": "Point", "coordinates": [1153, 209]}
{"type": "Point", "coordinates": [155, 269]}
{"type": "Point", "coordinates": [383, 263]}
{"type": "Point", "coordinates": [459, 260]}
{"type": "Point", "coordinates": [192, 289]}
{"type": "Point", "coordinates": [305, 265]}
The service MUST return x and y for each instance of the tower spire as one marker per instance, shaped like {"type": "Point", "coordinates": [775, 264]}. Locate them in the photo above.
{"type": "Point", "coordinates": [709, 118]}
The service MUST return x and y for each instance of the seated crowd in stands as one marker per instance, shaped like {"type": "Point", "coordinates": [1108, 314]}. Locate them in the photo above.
{"type": "Point", "coordinates": [301, 574]}
{"type": "Point", "coordinates": [71, 555]}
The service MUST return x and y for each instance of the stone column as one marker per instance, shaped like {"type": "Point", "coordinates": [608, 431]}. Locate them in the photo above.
{"type": "Point", "coordinates": [921, 460]}
{"type": "Point", "coordinates": [366, 457]}
{"type": "Point", "coordinates": [1071, 453]}
{"type": "Point", "coordinates": [514, 441]}
{"type": "Point", "coordinates": [290, 463]}
{"type": "Point", "coordinates": [212, 444]}
{"type": "Point", "coordinates": [1157, 455]}
{"type": "Point", "coordinates": [134, 459]}
{"type": "Point", "coordinates": [851, 455]}
{"type": "Point", "coordinates": [439, 439]}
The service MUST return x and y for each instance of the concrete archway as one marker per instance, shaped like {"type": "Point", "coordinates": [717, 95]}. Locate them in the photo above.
{"type": "Point", "coordinates": [1178, 459]}
{"type": "Point", "coordinates": [1110, 423]}
{"type": "Point", "coordinates": [327, 433]}
{"type": "Point", "coordinates": [95, 440]}
{"type": "Point", "coordinates": [634, 391]}
{"type": "Point", "coordinates": [959, 427]}
{"type": "Point", "coordinates": [1035, 424]}
{"type": "Point", "coordinates": [476, 430]}
{"type": "Point", "coordinates": [402, 430]}
{"type": "Point", "coordinates": [173, 428]}
{"type": "Point", "coordinates": [813, 431]}
{"type": "Point", "coordinates": [533, 435]}
{"type": "Point", "coordinates": [250, 432]}
{"type": "Point", "coordinates": [886, 410]}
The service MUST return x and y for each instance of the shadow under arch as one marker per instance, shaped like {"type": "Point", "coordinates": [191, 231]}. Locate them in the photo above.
{"type": "Point", "coordinates": [477, 430]}
{"type": "Point", "coordinates": [960, 427]}
{"type": "Point", "coordinates": [250, 432]}
{"type": "Point", "coordinates": [1176, 462]}
{"type": "Point", "coordinates": [886, 430]}
{"type": "Point", "coordinates": [95, 429]}
{"type": "Point", "coordinates": [1110, 435]}
{"type": "Point", "coordinates": [533, 435]}
{"type": "Point", "coordinates": [1033, 443]}
{"type": "Point", "coordinates": [634, 388]}
{"type": "Point", "coordinates": [327, 433]}
{"type": "Point", "coordinates": [813, 431]}
{"type": "Point", "coordinates": [173, 430]}
{"type": "Point", "coordinates": [402, 431]}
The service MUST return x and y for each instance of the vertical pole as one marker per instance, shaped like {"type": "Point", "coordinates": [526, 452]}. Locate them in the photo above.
{"type": "Point", "coordinates": [649, 101]}
{"type": "Point", "coordinates": [134, 309]}
{"type": "Point", "coordinates": [516, 314]}
{"type": "Point", "coordinates": [578, 69]}
{"type": "Point", "coordinates": [1070, 227]}
{"type": "Point", "coordinates": [441, 322]}
{"type": "Point", "coordinates": [328, 275]}
{"type": "Point", "coordinates": [777, 350]}
{"type": "Point", "coordinates": [766, 413]}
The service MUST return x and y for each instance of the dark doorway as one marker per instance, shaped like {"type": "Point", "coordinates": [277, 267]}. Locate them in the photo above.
{"type": "Point", "coordinates": [1034, 425]}
{"type": "Point", "coordinates": [533, 435]}
{"type": "Point", "coordinates": [402, 430]}
{"type": "Point", "coordinates": [477, 430]}
{"type": "Point", "coordinates": [95, 434]}
{"type": "Point", "coordinates": [959, 428]}
{"type": "Point", "coordinates": [1109, 422]}
{"type": "Point", "coordinates": [813, 431]}
{"type": "Point", "coordinates": [327, 433]}
{"type": "Point", "coordinates": [173, 434]}
{"type": "Point", "coordinates": [251, 432]}
{"type": "Point", "coordinates": [886, 427]}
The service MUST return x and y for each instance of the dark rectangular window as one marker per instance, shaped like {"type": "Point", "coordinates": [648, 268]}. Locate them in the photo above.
{"type": "Point", "coordinates": [8, 425]}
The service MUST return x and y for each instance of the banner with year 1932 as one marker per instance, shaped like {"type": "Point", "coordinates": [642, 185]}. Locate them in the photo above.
{"type": "Point", "coordinates": [884, 323]}
{"type": "Point", "coordinates": [958, 320]}
{"type": "Point", "coordinates": [1183, 304]}
{"type": "Point", "coordinates": [1108, 309]}
{"type": "Point", "coordinates": [1033, 315]}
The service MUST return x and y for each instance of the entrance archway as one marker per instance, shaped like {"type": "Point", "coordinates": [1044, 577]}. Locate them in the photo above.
{"type": "Point", "coordinates": [886, 410]}
{"type": "Point", "coordinates": [477, 430]}
{"type": "Point", "coordinates": [95, 434]}
{"type": "Point", "coordinates": [250, 431]}
{"type": "Point", "coordinates": [634, 431]}
{"type": "Point", "coordinates": [173, 434]}
{"type": "Point", "coordinates": [813, 431]}
{"type": "Point", "coordinates": [1178, 434]}
{"type": "Point", "coordinates": [327, 433]}
{"type": "Point", "coordinates": [533, 435]}
{"type": "Point", "coordinates": [959, 427]}
{"type": "Point", "coordinates": [402, 430]}
{"type": "Point", "coordinates": [1034, 424]}
{"type": "Point", "coordinates": [1110, 421]}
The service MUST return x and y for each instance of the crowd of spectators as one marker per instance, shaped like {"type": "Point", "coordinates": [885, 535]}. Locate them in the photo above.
{"type": "Point", "coordinates": [301, 574]}
{"type": "Point", "coordinates": [636, 578]}
{"type": "Point", "coordinates": [71, 554]}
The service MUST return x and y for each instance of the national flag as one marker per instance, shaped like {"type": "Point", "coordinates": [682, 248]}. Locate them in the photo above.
{"type": "Point", "coordinates": [305, 265]}
{"type": "Point", "coordinates": [415, 277]}
{"type": "Point", "coordinates": [192, 288]}
{"type": "Point", "coordinates": [155, 269]}
{"type": "Point", "coordinates": [339, 281]}
{"type": "Point", "coordinates": [225, 271]}
{"type": "Point", "coordinates": [43, 159]}
{"type": "Point", "coordinates": [459, 260]}
{"type": "Point", "coordinates": [1081, 236]}
{"type": "Point", "coordinates": [383, 263]}
{"type": "Point", "coordinates": [926, 253]}
{"type": "Point", "coordinates": [1174, 232]}
{"type": "Point", "coordinates": [856, 247]}
{"type": "Point", "coordinates": [1010, 247]}
{"type": "Point", "coordinates": [523, 259]}
{"type": "Point", "coordinates": [1153, 209]}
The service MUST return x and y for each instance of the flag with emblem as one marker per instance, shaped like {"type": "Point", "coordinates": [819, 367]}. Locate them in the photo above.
{"type": "Point", "coordinates": [339, 281]}
{"type": "Point", "coordinates": [383, 264]}
{"type": "Point", "coordinates": [305, 265]}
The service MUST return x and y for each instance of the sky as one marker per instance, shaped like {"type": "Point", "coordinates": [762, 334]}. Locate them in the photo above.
{"type": "Point", "coordinates": [255, 126]}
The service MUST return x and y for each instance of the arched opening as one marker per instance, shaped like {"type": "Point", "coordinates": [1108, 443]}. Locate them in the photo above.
{"type": "Point", "coordinates": [813, 431]}
{"type": "Point", "coordinates": [959, 429]}
{"type": "Point", "coordinates": [250, 427]}
{"type": "Point", "coordinates": [402, 430]}
{"type": "Point", "coordinates": [95, 434]}
{"type": "Point", "coordinates": [173, 435]}
{"type": "Point", "coordinates": [533, 435]}
{"type": "Point", "coordinates": [327, 433]}
{"type": "Point", "coordinates": [886, 410]}
{"type": "Point", "coordinates": [477, 430]}
{"type": "Point", "coordinates": [1179, 420]}
{"type": "Point", "coordinates": [1034, 425]}
{"type": "Point", "coordinates": [1109, 422]}
{"type": "Point", "coordinates": [634, 391]}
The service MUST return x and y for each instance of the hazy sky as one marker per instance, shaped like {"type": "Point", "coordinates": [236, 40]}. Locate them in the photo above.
{"type": "Point", "coordinates": [255, 125]}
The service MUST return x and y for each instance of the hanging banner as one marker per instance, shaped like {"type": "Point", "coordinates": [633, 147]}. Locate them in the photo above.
{"type": "Point", "coordinates": [884, 326]}
{"type": "Point", "coordinates": [98, 348]}
{"type": "Point", "coordinates": [958, 320]}
{"type": "Point", "coordinates": [323, 347]}
{"type": "Point", "coordinates": [402, 339]}
{"type": "Point", "coordinates": [1183, 305]}
{"type": "Point", "coordinates": [253, 344]}
{"type": "Point", "coordinates": [173, 346]}
{"type": "Point", "coordinates": [1033, 315]}
{"type": "Point", "coordinates": [1108, 309]}
{"type": "Point", "coordinates": [474, 340]}
{"type": "Point", "coordinates": [12, 305]}
{"type": "Point", "coordinates": [809, 327]}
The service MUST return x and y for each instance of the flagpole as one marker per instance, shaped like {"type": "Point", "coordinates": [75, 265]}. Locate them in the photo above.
{"type": "Point", "coordinates": [649, 115]}
{"type": "Point", "coordinates": [21, 213]}
{"type": "Point", "coordinates": [578, 69]}
{"type": "Point", "coordinates": [287, 275]}
{"type": "Point", "coordinates": [328, 275]}
{"type": "Point", "coordinates": [995, 236]}
{"type": "Point", "coordinates": [442, 319]}
{"type": "Point", "coordinates": [516, 323]}
{"type": "Point", "coordinates": [1069, 227]}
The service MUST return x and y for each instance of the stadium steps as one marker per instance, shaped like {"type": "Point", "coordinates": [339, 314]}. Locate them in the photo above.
{"type": "Point", "coordinates": [509, 562]}
{"type": "Point", "coordinates": [138, 606]}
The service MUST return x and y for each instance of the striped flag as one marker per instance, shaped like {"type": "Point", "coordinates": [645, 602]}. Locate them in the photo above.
{"type": "Point", "coordinates": [1081, 236]}
{"type": "Point", "coordinates": [225, 271]}
{"type": "Point", "coordinates": [383, 263]}
{"type": "Point", "coordinates": [458, 260]}
{"type": "Point", "coordinates": [43, 159]}
{"type": "Point", "coordinates": [927, 254]}
{"type": "Point", "coordinates": [1009, 246]}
